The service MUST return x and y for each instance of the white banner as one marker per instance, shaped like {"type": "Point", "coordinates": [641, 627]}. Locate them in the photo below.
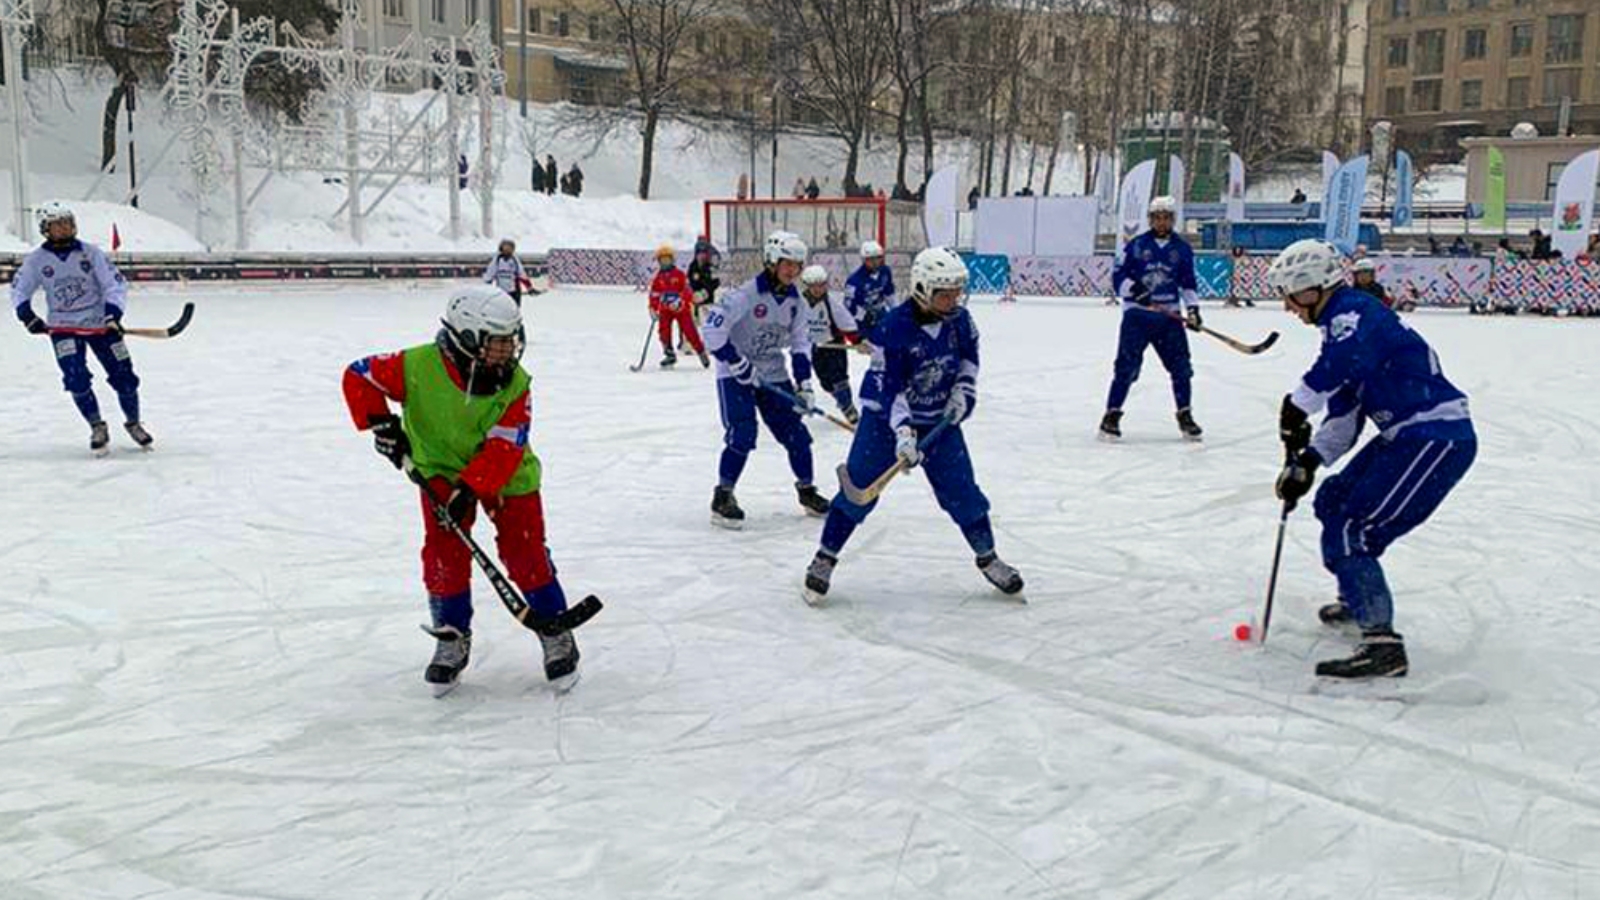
{"type": "Point", "coordinates": [1574, 206]}
{"type": "Point", "coordinates": [1135, 200]}
{"type": "Point", "coordinates": [1177, 178]}
{"type": "Point", "coordinates": [1330, 165]}
{"type": "Point", "coordinates": [1235, 188]}
{"type": "Point", "coordinates": [1105, 190]}
{"type": "Point", "coordinates": [1065, 226]}
{"type": "Point", "coordinates": [1005, 226]}
{"type": "Point", "coordinates": [1342, 207]}
{"type": "Point", "coordinates": [941, 201]}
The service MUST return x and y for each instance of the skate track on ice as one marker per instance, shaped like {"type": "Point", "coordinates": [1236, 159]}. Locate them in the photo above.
{"type": "Point", "coordinates": [212, 678]}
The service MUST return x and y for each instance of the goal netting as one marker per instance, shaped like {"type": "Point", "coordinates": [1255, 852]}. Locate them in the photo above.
{"type": "Point", "coordinates": [836, 224]}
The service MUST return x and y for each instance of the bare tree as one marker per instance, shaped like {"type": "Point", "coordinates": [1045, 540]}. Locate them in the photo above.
{"type": "Point", "coordinates": [914, 63]}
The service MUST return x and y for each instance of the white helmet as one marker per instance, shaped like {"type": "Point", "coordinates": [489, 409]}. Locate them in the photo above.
{"type": "Point", "coordinates": [1306, 264]}
{"type": "Point", "coordinates": [1163, 205]}
{"type": "Point", "coordinates": [1365, 264]}
{"type": "Point", "coordinates": [53, 212]}
{"type": "Point", "coordinates": [936, 269]}
{"type": "Point", "coordinates": [783, 245]}
{"type": "Point", "coordinates": [871, 250]}
{"type": "Point", "coordinates": [814, 275]}
{"type": "Point", "coordinates": [477, 313]}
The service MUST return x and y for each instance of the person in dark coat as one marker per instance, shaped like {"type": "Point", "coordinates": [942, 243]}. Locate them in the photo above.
{"type": "Point", "coordinates": [575, 180]}
{"type": "Point", "coordinates": [812, 191]}
{"type": "Point", "coordinates": [1299, 196]}
{"type": "Point", "coordinates": [461, 170]}
{"type": "Point", "coordinates": [538, 176]}
{"type": "Point", "coordinates": [972, 197]}
{"type": "Point", "coordinates": [550, 174]}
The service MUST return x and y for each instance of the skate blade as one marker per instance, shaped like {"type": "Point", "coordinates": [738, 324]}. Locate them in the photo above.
{"type": "Point", "coordinates": [813, 599]}
{"type": "Point", "coordinates": [1108, 438]}
{"type": "Point", "coordinates": [442, 690]}
{"type": "Point", "coordinates": [729, 524]}
{"type": "Point", "coordinates": [814, 513]}
{"type": "Point", "coordinates": [102, 453]}
{"type": "Point", "coordinates": [567, 682]}
{"type": "Point", "coordinates": [1194, 438]}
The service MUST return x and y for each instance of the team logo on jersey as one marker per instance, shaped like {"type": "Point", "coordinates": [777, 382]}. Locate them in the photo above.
{"type": "Point", "coordinates": [49, 271]}
{"type": "Point", "coordinates": [1342, 326]}
{"type": "Point", "coordinates": [84, 265]}
{"type": "Point", "coordinates": [760, 311]}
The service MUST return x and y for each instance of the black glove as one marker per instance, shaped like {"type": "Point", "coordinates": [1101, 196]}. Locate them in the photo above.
{"type": "Point", "coordinates": [461, 504]}
{"type": "Point", "coordinates": [113, 321]}
{"type": "Point", "coordinates": [1192, 317]}
{"type": "Point", "coordinates": [1298, 474]}
{"type": "Point", "coordinates": [1294, 429]}
{"type": "Point", "coordinates": [34, 324]}
{"type": "Point", "coordinates": [390, 439]}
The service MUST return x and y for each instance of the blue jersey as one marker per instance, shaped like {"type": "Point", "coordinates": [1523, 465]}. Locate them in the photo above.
{"type": "Point", "coordinates": [1156, 272]}
{"type": "Point", "coordinates": [1373, 366]}
{"type": "Point", "coordinates": [757, 321]}
{"type": "Point", "coordinates": [923, 363]}
{"type": "Point", "coordinates": [869, 295]}
{"type": "Point", "coordinates": [81, 285]}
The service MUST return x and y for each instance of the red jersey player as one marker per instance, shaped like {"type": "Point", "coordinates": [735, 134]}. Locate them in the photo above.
{"type": "Point", "coordinates": [671, 301]}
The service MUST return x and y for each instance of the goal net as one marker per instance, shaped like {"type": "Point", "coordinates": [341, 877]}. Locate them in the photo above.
{"type": "Point", "coordinates": [836, 224]}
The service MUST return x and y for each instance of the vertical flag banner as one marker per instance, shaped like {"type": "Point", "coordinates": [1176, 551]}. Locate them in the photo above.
{"type": "Point", "coordinates": [1348, 189]}
{"type": "Point", "coordinates": [1235, 198]}
{"type": "Point", "coordinates": [1404, 189]}
{"type": "Point", "coordinates": [1105, 190]}
{"type": "Point", "coordinates": [941, 201]}
{"type": "Point", "coordinates": [1330, 165]}
{"type": "Point", "coordinates": [1494, 195]}
{"type": "Point", "coordinates": [1177, 177]}
{"type": "Point", "coordinates": [1574, 206]}
{"type": "Point", "coordinates": [1135, 201]}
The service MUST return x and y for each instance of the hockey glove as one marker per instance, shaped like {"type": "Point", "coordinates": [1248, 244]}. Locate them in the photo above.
{"type": "Point", "coordinates": [32, 322]}
{"type": "Point", "coordinates": [1298, 474]}
{"type": "Point", "coordinates": [742, 372]}
{"type": "Point", "coordinates": [390, 440]}
{"type": "Point", "coordinates": [1294, 429]}
{"type": "Point", "coordinates": [905, 446]}
{"type": "Point", "coordinates": [1192, 318]}
{"type": "Point", "coordinates": [461, 504]}
{"type": "Point", "coordinates": [963, 400]}
{"type": "Point", "coordinates": [805, 400]}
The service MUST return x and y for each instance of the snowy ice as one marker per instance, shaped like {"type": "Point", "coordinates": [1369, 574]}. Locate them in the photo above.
{"type": "Point", "coordinates": [212, 678]}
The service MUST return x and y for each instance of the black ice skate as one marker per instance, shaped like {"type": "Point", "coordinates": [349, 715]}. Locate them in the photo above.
{"type": "Point", "coordinates": [449, 658]}
{"type": "Point", "coordinates": [852, 415]}
{"type": "Point", "coordinates": [560, 660]}
{"type": "Point", "coordinates": [1001, 575]}
{"type": "Point", "coordinates": [819, 576]}
{"type": "Point", "coordinates": [99, 439]}
{"type": "Point", "coordinates": [1336, 614]}
{"type": "Point", "coordinates": [1111, 425]}
{"type": "Point", "coordinates": [725, 511]}
{"type": "Point", "coordinates": [139, 435]}
{"type": "Point", "coordinates": [815, 504]}
{"type": "Point", "coordinates": [670, 359]}
{"type": "Point", "coordinates": [1382, 654]}
{"type": "Point", "coordinates": [705, 360]}
{"type": "Point", "coordinates": [1186, 425]}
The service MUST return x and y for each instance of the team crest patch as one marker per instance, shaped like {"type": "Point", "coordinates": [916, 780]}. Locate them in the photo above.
{"type": "Point", "coordinates": [760, 311]}
{"type": "Point", "coordinates": [49, 271]}
{"type": "Point", "coordinates": [84, 265]}
{"type": "Point", "coordinates": [1342, 326]}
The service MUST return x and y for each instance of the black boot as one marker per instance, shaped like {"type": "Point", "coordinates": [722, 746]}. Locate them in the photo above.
{"type": "Point", "coordinates": [999, 573]}
{"type": "Point", "coordinates": [99, 439]}
{"type": "Point", "coordinates": [1382, 654]}
{"type": "Point", "coordinates": [1111, 425]}
{"type": "Point", "coordinates": [815, 504]}
{"type": "Point", "coordinates": [725, 510]}
{"type": "Point", "coordinates": [136, 430]}
{"type": "Point", "coordinates": [819, 576]}
{"type": "Point", "coordinates": [450, 656]}
{"type": "Point", "coordinates": [669, 357]}
{"type": "Point", "coordinates": [1186, 425]}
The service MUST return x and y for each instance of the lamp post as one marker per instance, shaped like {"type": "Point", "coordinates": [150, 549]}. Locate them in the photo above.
{"type": "Point", "coordinates": [16, 18]}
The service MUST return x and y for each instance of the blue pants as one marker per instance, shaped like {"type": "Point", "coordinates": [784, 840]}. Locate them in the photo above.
{"type": "Point", "coordinates": [833, 373]}
{"type": "Point", "coordinates": [740, 404]}
{"type": "Point", "coordinates": [1387, 489]}
{"type": "Point", "coordinates": [945, 462]}
{"type": "Point", "coordinates": [112, 352]}
{"type": "Point", "coordinates": [1143, 328]}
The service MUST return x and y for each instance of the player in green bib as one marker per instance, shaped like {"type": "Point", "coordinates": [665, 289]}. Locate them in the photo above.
{"type": "Point", "coordinates": [466, 411]}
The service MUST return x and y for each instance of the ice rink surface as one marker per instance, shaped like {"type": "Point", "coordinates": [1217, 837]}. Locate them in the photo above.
{"type": "Point", "coordinates": [211, 682]}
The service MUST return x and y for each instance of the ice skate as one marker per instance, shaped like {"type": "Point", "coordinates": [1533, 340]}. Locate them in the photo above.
{"type": "Point", "coordinates": [819, 576]}
{"type": "Point", "coordinates": [99, 439]}
{"type": "Point", "coordinates": [670, 358]}
{"type": "Point", "coordinates": [1382, 654]}
{"type": "Point", "coordinates": [140, 436]}
{"type": "Point", "coordinates": [1187, 426]}
{"type": "Point", "coordinates": [851, 414]}
{"type": "Point", "coordinates": [560, 660]}
{"type": "Point", "coordinates": [725, 511]}
{"type": "Point", "coordinates": [449, 658]}
{"type": "Point", "coordinates": [1111, 425]}
{"type": "Point", "coordinates": [815, 504]}
{"type": "Point", "coordinates": [1336, 615]}
{"type": "Point", "coordinates": [705, 360]}
{"type": "Point", "coordinates": [1000, 574]}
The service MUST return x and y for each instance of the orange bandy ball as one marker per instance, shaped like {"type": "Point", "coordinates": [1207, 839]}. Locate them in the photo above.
{"type": "Point", "coordinates": [1241, 632]}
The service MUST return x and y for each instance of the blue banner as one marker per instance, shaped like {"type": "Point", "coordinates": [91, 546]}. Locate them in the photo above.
{"type": "Point", "coordinates": [1406, 184]}
{"type": "Point", "coordinates": [1215, 275]}
{"type": "Point", "coordinates": [987, 274]}
{"type": "Point", "coordinates": [1347, 189]}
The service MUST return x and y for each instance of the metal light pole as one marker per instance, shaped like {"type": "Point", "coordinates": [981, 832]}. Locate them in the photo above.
{"type": "Point", "coordinates": [16, 17]}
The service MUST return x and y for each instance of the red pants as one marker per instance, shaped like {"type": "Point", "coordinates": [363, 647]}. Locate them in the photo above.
{"type": "Point", "coordinates": [684, 316]}
{"type": "Point", "coordinates": [519, 541]}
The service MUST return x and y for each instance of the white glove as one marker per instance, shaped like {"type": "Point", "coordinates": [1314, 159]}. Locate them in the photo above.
{"type": "Point", "coordinates": [960, 404]}
{"type": "Point", "coordinates": [905, 446]}
{"type": "Point", "coordinates": [805, 400]}
{"type": "Point", "coordinates": [742, 371]}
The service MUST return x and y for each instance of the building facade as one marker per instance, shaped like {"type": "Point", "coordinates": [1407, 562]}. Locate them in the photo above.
{"type": "Point", "coordinates": [1442, 70]}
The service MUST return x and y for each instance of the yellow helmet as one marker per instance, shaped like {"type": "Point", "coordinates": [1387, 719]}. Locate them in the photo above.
{"type": "Point", "coordinates": [665, 252]}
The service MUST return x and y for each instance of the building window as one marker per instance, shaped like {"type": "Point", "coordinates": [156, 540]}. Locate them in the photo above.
{"type": "Point", "coordinates": [1475, 44]}
{"type": "Point", "coordinates": [1394, 101]}
{"type": "Point", "coordinates": [1435, 7]}
{"type": "Point", "coordinates": [1472, 95]}
{"type": "Point", "coordinates": [1517, 93]}
{"type": "Point", "coordinates": [1399, 9]}
{"type": "Point", "coordinates": [1058, 50]}
{"type": "Point", "coordinates": [1399, 52]}
{"type": "Point", "coordinates": [563, 24]}
{"type": "Point", "coordinates": [1477, 4]}
{"type": "Point", "coordinates": [1566, 40]}
{"type": "Point", "coordinates": [394, 9]}
{"type": "Point", "coordinates": [470, 18]}
{"type": "Point", "coordinates": [594, 28]}
{"type": "Point", "coordinates": [535, 20]}
{"type": "Point", "coordinates": [437, 12]}
{"type": "Point", "coordinates": [1560, 83]}
{"type": "Point", "coordinates": [1430, 53]}
{"type": "Point", "coordinates": [1521, 39]}
{"type": "Point", "coordinates": [1425, 95]}
{"type": "Point", "coordinates": [1552, 179]}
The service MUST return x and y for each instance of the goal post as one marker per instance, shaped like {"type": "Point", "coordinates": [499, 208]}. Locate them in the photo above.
{"type": "Point", "coordinates": [836, 224]}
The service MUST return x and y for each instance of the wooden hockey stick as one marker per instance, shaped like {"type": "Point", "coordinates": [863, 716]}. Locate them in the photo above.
{"type": "Point", "coordinates": [810, 410]}
{"type": "Point", "coordinates": [864, 496]}
{"type": "Point", "coordinates": [171, 331]}
{"type": "Point", "coordinates": [1233, 342]}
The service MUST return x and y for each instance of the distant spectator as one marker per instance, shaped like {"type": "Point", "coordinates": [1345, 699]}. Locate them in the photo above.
{"type": "Point", "coordinates": [461, 170]}
{"type": "Point", "coordinates": [799, 191]}
{"type": "Point", "coordinates": [1541, 249]}
{"type": "Point", "coordinates": [1458, 247]}
{"type": "Point", "coordinates": [1299, 196]}
{"type": "Point", "coordinates": [882, 195]}
{"type": "Point", "coordinates": [1591, 252]}
{"type": "Point", "coordinates": [575, 181]}
{"type": "Point", "coordinates": [812, 191]}
{"type": "Point", "coordinates": [1433, 246]}
{"type": "Point", "coordinates": [538, 176]}
{"type": "Point", "coordinates": [743, 190]}
{"type": "Point", "coordinates": [1504, 252]}
{"type": "Point", "coordinates": [1477, 248]}
{"type": "Point", "coordinates": [972, 198]}
{"type": "Point", "coordinates": [550, 177]}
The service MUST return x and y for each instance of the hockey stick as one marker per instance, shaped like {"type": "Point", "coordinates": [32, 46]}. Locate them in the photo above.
{"type": "Point", "coordinates": [809, 410]}
{"type": "Point", "coordinates": [645, 350]}
{"type": "Point", "coordinates": [864, 496]}
{"type": "Point", "coordinates": [171, 331]}
{"type": "Point", "coordinates": [512, 598]}
{"type": "Point", "coordinates": [861, 347]}
{"type": "Point", "coordinates": [1272, 581]}
{"type": "Point", "coordinates": [1233, 342]}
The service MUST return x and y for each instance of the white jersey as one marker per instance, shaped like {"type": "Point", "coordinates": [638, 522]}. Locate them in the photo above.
{"type": "Point", "coordinates": [828, 318]}
{"type": "Point", "coordinates": [756, 322]}
{"type": "Point", "coordinates": [80, 285]}
{"type": "Point", "coordinates": [505, 273]}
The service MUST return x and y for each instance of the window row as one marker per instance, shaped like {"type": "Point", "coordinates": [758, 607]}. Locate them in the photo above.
{"type": "Point", "coordinates": [1426, 95]}
{"type": "Point", "coordinates": [1563, 44]}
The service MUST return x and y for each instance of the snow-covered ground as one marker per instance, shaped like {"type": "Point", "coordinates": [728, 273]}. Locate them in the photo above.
{"type": "Point", "coordinates": [212, 675]}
